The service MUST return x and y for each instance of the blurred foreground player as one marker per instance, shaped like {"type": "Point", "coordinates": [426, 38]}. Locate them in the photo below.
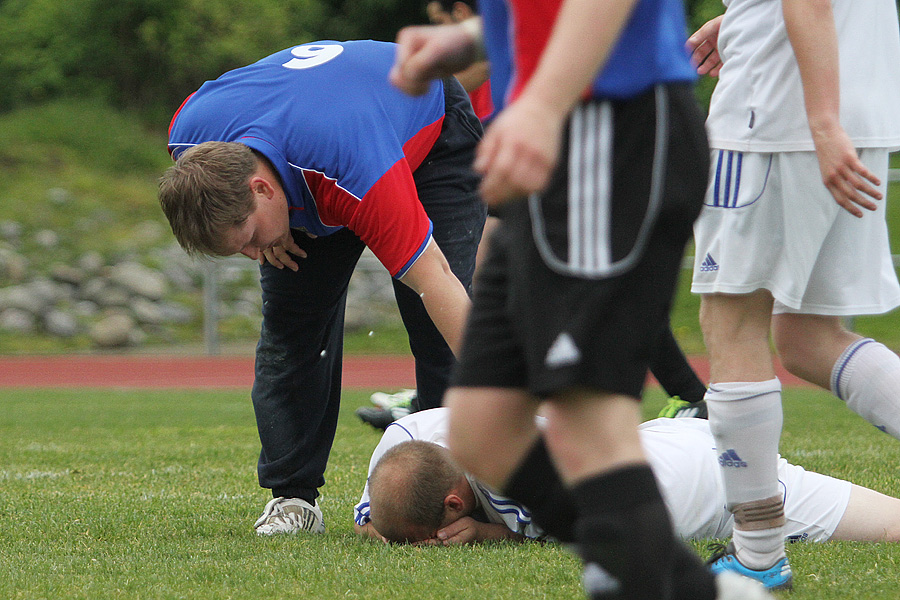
{"type": "Point", "coordinates": [603, 136]}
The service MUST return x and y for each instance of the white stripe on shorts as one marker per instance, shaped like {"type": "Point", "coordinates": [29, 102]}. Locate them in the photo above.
{"type": "Point", "coordinates": [590, 187]}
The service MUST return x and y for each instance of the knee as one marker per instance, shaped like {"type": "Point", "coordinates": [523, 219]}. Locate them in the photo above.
{"type": "Point", "coordinates": [803, 341]}
{"type": "Point", "coordinates": [791, 353]}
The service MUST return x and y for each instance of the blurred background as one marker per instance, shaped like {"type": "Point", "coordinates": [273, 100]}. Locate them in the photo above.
{"type": "Point", "coordinates": [87, 261]}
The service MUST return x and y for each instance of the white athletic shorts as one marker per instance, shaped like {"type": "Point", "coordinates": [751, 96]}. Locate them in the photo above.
{"type": "Point", "coordinates": [683, 455]}
{"type": "Point", "coordinates": [769, 222]}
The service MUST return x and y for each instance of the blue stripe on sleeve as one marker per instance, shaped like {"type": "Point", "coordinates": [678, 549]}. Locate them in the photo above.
{"type": "Point", "coordinates": [418, 253]}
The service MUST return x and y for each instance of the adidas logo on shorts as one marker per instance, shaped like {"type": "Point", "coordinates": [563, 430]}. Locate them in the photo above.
{"type": "Point", "coordinates": [563, 352]}
{"type": "Point", "coordinates": [709, 264]}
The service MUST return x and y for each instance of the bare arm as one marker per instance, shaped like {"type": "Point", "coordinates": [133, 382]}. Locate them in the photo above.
{"type": "Point", "coordinates": [442, 293]}
{"type": "Point", "coordinates": [521, 147]}
{"type": "Point", "coordinates": [813, 36]}
{"type": "Point", "coordinates": [427, 52]}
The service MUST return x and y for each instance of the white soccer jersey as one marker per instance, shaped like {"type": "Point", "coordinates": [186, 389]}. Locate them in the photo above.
{"type": "Point", "coordinates": [682, 454]}
{"type": "Point", "coordinates": [758, 102]}
{"type": "Point", "coordinates": [431, 426]}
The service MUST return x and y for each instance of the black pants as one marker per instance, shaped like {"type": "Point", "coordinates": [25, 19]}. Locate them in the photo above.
{"type": "Point", "coordinates": [296, 392]}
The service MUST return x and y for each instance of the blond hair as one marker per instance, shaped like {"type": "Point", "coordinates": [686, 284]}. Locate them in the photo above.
{"type": "Point", "coordinates": [206, 193]}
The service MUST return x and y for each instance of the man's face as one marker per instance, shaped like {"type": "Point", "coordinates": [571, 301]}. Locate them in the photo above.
{"type": "Point", "coordinates": [267, 226]}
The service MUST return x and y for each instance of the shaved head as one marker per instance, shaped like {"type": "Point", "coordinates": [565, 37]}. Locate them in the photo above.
{"type": "Point", "coordinates": [407, 489]}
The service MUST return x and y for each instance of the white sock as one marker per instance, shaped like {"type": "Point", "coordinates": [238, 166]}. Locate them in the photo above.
{"type": "Point", "coordinates": [867, 378]}
{"type": "Point", "coordinates": [746, 420]}
{"type": "Point", "coordinates": [746, 541]}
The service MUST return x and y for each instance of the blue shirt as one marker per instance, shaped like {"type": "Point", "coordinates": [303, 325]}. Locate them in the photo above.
{"type": "Point", "coordinates": [650, 50]}
{"type": "Point", "coordinates": [343, 140]}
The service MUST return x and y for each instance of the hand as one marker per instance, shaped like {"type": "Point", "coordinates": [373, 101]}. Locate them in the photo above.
{"type": "Point", "coordinates": [467, 530]}
{"type": "Point", "coordinates": [519, 151]}
{"type": "Point", "coordinates": [704, 47]}
{"type": "Point", "coordinates": [369, 530]}
{"type": "Point", "coordinates": [427, 52]}
{"type": "Point", "coordinates": [278, 255]}
{"type": "Point", "coordinates": [845, 176]}
{"type": "Point", "coordinates": [462, 531]}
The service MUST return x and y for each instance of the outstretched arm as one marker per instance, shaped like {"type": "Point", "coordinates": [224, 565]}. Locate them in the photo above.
{"type": "Point", "coordinates": [443, 295]}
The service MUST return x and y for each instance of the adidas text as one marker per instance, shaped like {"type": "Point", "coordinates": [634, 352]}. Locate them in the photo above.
{"type": "Point", "coordinates": [730, 458]}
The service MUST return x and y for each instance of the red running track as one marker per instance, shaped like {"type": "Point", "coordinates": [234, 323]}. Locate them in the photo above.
{"type": "Point", "coordinates": [157, 371]}
{"type": "Point", "coordinates": [174, 371]}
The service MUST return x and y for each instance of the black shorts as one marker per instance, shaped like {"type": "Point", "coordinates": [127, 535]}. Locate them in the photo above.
{"type": "Point", "coordinates": [579, 281]}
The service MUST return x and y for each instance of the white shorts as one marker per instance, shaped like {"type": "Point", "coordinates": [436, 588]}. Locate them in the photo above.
{"type": "Point", "coordinates": [683, 455]}
{"type": "Point", "coordinates": [770, 223]}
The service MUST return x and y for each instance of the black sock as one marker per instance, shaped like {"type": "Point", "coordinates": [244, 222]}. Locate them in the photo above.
{"type": "Point", "coordinates": [309, 496]}
{"type": "Point", "coordinates": [536, 485]}
{"type": "Point", "coordinates": [623, 528]}
{"type": "Point", "coordinates": [693, 580]}
{"type": "Point", "coordinates": [672, 370]}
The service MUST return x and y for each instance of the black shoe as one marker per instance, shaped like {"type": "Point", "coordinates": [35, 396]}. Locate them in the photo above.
{"type": "Point", "coordinates": [380, 418]}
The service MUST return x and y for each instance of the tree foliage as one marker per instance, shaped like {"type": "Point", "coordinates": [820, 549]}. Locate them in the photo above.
{"type": "Point", "coordinates": [147, 55]}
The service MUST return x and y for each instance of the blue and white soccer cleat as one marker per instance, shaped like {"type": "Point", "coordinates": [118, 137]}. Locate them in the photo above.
{"type": "Point", "coordinates": [777, 577]}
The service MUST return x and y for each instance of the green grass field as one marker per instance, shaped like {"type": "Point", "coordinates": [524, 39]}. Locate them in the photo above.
{"type": "Point", "coordinates": [152, 494]}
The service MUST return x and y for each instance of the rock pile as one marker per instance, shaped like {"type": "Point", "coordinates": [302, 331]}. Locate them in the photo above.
{"type": "Point", "coordinates": [133, 299]}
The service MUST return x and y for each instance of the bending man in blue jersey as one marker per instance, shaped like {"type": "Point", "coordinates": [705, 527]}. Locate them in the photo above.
{"type": "Point", "coordinates": [301, 160]}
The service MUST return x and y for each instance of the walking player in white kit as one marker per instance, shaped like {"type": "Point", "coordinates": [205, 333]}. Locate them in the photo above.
{"type": "Point", "coordinates": [793, 235]}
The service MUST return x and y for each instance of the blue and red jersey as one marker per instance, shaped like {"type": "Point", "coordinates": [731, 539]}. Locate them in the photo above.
{"type": "Point", "coordinates": [650, 49]}
{"type": "Point", "coordinates": [481, 100]}
{"type": "Point", "coordinates": [343, 140]}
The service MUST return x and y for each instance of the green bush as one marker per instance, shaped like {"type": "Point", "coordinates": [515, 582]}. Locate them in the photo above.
{"type": "Point", "coordinates": [150, 54]}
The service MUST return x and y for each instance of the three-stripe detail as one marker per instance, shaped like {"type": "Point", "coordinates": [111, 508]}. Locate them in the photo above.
{"type": "Point", "coordinates": [727, 179]}
{"type": "Point", "coordinates": [590, 186]}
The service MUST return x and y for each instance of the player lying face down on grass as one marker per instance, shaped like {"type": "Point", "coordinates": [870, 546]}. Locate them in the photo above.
{"type": "Point", "coordinates": [300, 161]}
{"type": "Point", "coordinates": [415, 492]}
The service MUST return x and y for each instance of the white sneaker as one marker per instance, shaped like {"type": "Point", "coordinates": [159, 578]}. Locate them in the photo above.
{"type": "Point", "coordinates": [290, 515]}
{"type": "Point", "coordinates": [731, 586]}
{"type": "Point", "coordinates": [403, 399]}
